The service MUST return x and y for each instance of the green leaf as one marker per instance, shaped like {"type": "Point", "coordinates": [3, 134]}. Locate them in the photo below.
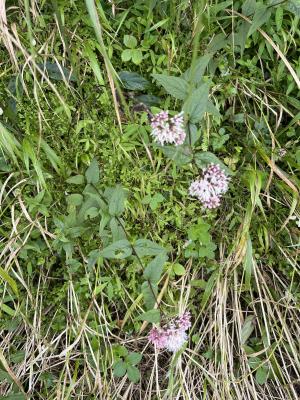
{"type": "Point", "coordinates": [145, 247]}
{"type": "Point", "coordinates": [133, 81]}
{"type": "Point", "coordinates": [209, 289]}
{"type": "Point", "coordinates": [204, 158]}
{"type": "Point", "coordinates": [261, 16]}
{"type": "Point", "coordinates": [249, 7]}
{"type": "Point", "coordinates": [247, 329]}
{"type": "Point", "coordinates": [126, 55]}
{"type": "Point", "coordinates": [176, 87]}
{"type": "Point", "coordinates": [136, 56]}
{"type": "Point", "coordinates": [74, 199]}
{"type": "Point", "coordinates": [76, 180]}
{"type": "Point", "coordinates": [120, 369]}
{"type": "Point", "coordinates": [133, 373]}
{"type": "Point", "coordinates": [179, 154]}
{"type": "Point", "coordinates": [178, 269]}
{"type": "Point", "coordinates": [149, 294]}
{"type": "Point", "coordinates": [154, 269]}
{"type": "Point", "coordinates": [294, 7]}
{"type": "Point", "coordinates": [134, 358]}
{"type": "Point", "coordinates": [117, 201]}
{"type": "Point", "coordinates": [57, 72]}
{"type": "Point", "coordinates": [152, 316]}
{"type": "Point", "coordinates": [194, 73]}
{"type": "Point", "coordinates": [92, 174]}
{"type": "Point", "coordinates": [261, 375]}
{"type": "Point", "coordinates": [148, 99]}
{"type": "Point", "coordinates": [219, 42]}
{"type": "Point", "coordinates": [196, 104]}
{"type": "Point", "coordinates": [118, 250]}
{"type": "Point", "coordinates": [130, 41]}
{"type": "Point", "coordinates": [9, 280]}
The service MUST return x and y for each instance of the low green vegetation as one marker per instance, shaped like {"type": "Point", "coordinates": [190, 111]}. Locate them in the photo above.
{"type": "Point", "coordinates": [102, 238]}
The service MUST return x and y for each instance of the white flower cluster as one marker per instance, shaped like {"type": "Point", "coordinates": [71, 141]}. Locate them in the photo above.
{"type": "Point", "coordinates": [168, 130]}
{"type": "Point", "coordinates": [210, 188]}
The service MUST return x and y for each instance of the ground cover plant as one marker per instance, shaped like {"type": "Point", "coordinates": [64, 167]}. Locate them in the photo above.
{"type": "Point", "coordinates": [149, 193]}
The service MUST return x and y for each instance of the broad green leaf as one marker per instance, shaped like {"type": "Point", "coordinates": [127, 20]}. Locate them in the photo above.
{"type": "Point", "coordinates": [116, 230]}
{"type": "Point", "coordinates": [133, 81]}
{"type": "Point", "coordinates": [76, 180]}
{"type": "Point", "coordinates": [176, 87]}
{"type": "Point", "coordinates": [118, 250]}
{"type": "Point", "coordinates": [130, 41]}
{"type": "Point", "coordinates": [154, 269]}
{"type": "Point", "coordinates": [179, 154]}
{"type": "Point", "coordinates": [194, 73]}
{"type": "Point", "coordinates": [196, 104]}
{"type": "Point", "coordinates": [293, 6]}
{"type": "Point", "coordinates": [120, 369]}
{"type": "Point", "coordinates": [249, 7]}
{"type": "Point", "coordinates": [56, 71]}
{"type": "Point", "coordinates": [126, 55]}
{"type": "Point", "coordinates": [178, 269]}
{"type": "Point", "coordinates": [149, 294]}
{"type": "Point", "coordinates": [148, 99]}
{"type": "Point", "coordinates": [150, 316]}
{"type": "Point", "coordinates": [117, 201]}
{"type": "Point", "coordinates": [261, 15]}
{"type": "Point", "coordinates": [92, 174]}
{"type": "Point", "coordinates": [134, 358]}
{"type": "Point", "coordinates": [219, 42]}
{"type": "Point", "coordinates": [136, 56]}
{"type": "Point", "coordinates": [204, 158]}
{"type": "Point", "coordinates": [133, 373]}
{"type": "Point", "coordinates": [145, 247]}
{"type": "Point", "coordinates": [247, 329]}
{"type": "Point", "coordinates": [261, 375]}
{"type": "Point", "coordinates": [75, 199]}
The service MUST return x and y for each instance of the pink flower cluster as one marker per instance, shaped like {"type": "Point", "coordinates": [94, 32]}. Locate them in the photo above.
{"type": "Point", "coordinates": [173, 336]}
{"type": "Point", "coordinates": [210, 188]}
{"type": "Point", "coordinates": [168, 130]}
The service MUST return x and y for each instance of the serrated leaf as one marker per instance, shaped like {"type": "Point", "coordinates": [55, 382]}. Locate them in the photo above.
{"type": "Point", "coordinates": [196, 104]}
{"type": "Point", "coordinates": [154, 269]}
{"type": "Point", "coordinates": [92, 174]}
{"type": "Point", "coordinates": [149, 294]}
{"type": "Point", "coordinates": [176, 87]}
{"type": "Point", "coordinates": [294, 7]}
{"type": "Point", "coordinates": [133, 373]}
{"type": "Point", "coordinates": [134, 358]}
{"type": "Point", "coordinates": [136, 56]}
{"type": "Point", "coordinates": [249, 7]}
{"type": "Point", "coordinates": [118, 250]}
{"type": "Point", "coordinates": [247, 329]}
{"type": "Point", "coordinates": [179, 154]}
{"type": "Point", "coordinates": [133, 80]}
{"type": "Point", "coordinates": [145, 247]}
{"type": "Point", "coordinates": [117, 201]}
{"type": "Point", "coordinates": [120, 369]}
{"type": "Point", "coordinates": [152, 316]}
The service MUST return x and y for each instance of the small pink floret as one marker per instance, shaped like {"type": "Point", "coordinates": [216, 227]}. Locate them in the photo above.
{"type": "Point", "coordinates": [168, 130]}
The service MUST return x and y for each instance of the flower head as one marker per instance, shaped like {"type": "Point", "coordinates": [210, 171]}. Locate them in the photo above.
{"type": "Point", "coordinates": [168, 130]}
{"type": "Point", "coordinates": [210, 187]}
{"type": "Point", "coordinates": [172, 336]}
